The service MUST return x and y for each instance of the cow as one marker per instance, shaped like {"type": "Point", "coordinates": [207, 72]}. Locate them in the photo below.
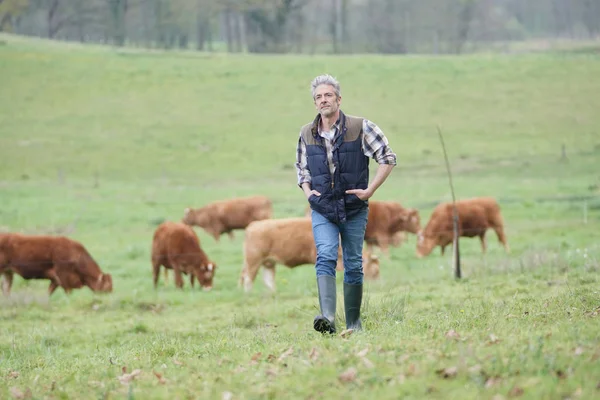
{"type": "Point", "coordinates": [225, 216]}
{"type": "Point", "coordinates": [64, 261]}
{"type": "Point", "coordinates": [387, 223]}
{"type": "Point", "coordinates": [287, 241]}
{"type": "Point", "coordinates": [475, 217]}
{"type": "Point", "coordinates": [175, 246]}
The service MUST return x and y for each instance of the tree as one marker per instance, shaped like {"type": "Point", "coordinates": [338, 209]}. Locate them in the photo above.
{"type": "Point", "coordinates": [9, 10]}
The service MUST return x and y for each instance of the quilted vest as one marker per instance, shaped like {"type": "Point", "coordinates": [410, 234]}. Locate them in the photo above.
{"type": "Point", "coordinates": [352, 169]}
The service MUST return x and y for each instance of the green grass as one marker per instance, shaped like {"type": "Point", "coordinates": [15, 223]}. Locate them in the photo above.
{"type": "Point", "coordinates": [102, 145]}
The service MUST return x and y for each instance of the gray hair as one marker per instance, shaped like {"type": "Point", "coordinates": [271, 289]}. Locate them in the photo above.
{"type": "Point", "coordinates": [325, 80]}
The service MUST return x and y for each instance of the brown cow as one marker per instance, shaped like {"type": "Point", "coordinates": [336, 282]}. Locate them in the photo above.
{"type": "Point", "coordinates": [65, 262]}
{"type": "Point", "coordinates": [475, 217]}
{"type": "Point", "coordinates": [176, 246]}
{"type": "Point", "coordinates": [387, 223]}
{"type": "Point", "coordinates": [287, 241]}
{"type": "Point", "coordinates": [226, 215]}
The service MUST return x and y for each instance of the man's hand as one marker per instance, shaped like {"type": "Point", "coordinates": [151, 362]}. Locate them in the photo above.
{"type": "Point", "coordinates": [362, 194]}
{"type": "Point", "coordinates": [311, 193]}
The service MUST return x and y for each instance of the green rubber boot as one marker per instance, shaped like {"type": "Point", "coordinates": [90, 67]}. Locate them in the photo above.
{"type": "Point", "coordinates": [352, 302]}
{"type": "Point", "coordinates": [325, 323]}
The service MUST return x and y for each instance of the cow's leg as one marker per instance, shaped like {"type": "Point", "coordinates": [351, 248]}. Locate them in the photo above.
{"type": "Point", "coordinates": [7, 279]}
{"type": "Point", "coordinates": [483, 243]}
{"type": "Point", "coordinates": [443, 247]}
{"type": "Point", "coordinates": [249, 272]}
{"type": "Point", "coordinates": [178, 276]}
{"type": "Point", "coordinates": [253, 258]}
{"type": "Point", "coordinates": [166, 272]}
{"type": "Point", "coordinates": [269, 274]}
{"type": "Point", "coordinates": [156, 271]}
{"type": "Point", "coordinates": [192, 279]}
{"type": "Point", "coordinates": [502, 237]}
{"type": "Point", "coordinates": [53, 286]}
{"type": "Point", "coordinates": [54, 280]}
{"type": "Point", "coordinates": [231, 236]}
{"type": "Point", "coordinates": [384, 244]}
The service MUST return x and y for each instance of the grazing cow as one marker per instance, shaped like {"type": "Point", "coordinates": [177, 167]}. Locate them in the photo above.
{"type": "Point", "coordinates": [287, 241]}
{"type": "Point", "coordinates": [226, 215]}
{"type": "Point", "coordinates": [387, 223]}
{"type": "Point", "coordinates": [475, 217]}
{"type": "Point", "coordinates": [65, 262]}
{"type": "Point", "coordinates": [176, 246]}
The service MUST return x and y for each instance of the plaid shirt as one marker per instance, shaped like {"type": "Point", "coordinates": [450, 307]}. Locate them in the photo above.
{"type": "Point", "coordinates": [374, 145]}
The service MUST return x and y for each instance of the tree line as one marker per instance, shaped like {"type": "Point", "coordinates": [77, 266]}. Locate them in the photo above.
{"type": "Point", "coordinates": [304, 26]}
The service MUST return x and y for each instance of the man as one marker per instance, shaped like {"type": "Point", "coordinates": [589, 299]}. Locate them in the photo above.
{"type": "Point", "coordinates": [333, 171]}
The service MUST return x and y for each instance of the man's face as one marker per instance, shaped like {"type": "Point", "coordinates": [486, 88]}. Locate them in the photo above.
{"type": "Point", "coordinates": [326, 102]}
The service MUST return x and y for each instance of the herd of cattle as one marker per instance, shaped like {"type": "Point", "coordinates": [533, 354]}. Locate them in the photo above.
{"type": "Point", "coordinates": [288, 241]}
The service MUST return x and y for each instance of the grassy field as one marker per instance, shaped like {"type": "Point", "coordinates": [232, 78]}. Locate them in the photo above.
{"type": "Point", "coordinates": [102, 145]}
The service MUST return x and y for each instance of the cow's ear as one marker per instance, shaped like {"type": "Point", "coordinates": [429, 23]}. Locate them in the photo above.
{"type": "Point", "coordinates": [186, 211]}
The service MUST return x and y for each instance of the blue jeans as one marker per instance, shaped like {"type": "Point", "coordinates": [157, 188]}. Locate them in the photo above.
{"type": "Point", "coordinates": [327, 236]}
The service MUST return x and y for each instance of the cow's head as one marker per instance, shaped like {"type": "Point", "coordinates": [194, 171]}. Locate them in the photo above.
{"type": "Point", "coordinates": [197, 217]}
{"type": "Point", "coordinates": [425, 244]}
{"type": "Point", "coordinates": [104, 283]}
{"type": "Point", "coordinates": [411, 220]}
{"type": "Point", "coordinates": [205, 275]}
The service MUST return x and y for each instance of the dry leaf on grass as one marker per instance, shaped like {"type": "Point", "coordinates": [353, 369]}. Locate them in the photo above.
{"type": "Point", "coordinates": [18, 394]}
{"type": "Point", "coordinates": [285, 354]}
{"type": "Point", "coordinates": [255, 358]}
{"type": "Point", "coordinates": [447, 373]}
{"type": "Point", "coordinates": [493, 339]}
{"type": "Point", "coordinates": [349, 375]}
{"type": "Point", "coordinates": [368, 363]}
{"type": "Point", "coordinates": [578, 351]}
{"type": "Point", "coordinates": [314, 354]}
{"type": "Point", "coordinates": [492, 381]}
{"type": "Point", "coordinates": [126, 378]}
{"type": "Point", "coordinates": [560, 374]}
{"type": "Point", "coordinates": [516, 391]}
{"type": "Point", "coordinates": [452, 334]}
{"type": "Point", "coordinates": [271, 358]}
{"type": "Point", "coordinates": [177, 362]}
{"type": "Point", "coordinates": [160, 378]}
{"type": "Point", "coordinates": [411, 370]}
{"type": "Point", "coordinates": [401, 379]}
{"type": "Point", "coordinates": [227, 396]}
{"type": "Point", "coordinates": [239, 369]}
{"type": "Point", "coordinates": [347, 333]}
{"type": "Point", "coordinates": [13, 374]}
{"type": "Point", "coordinates": [363, 352]}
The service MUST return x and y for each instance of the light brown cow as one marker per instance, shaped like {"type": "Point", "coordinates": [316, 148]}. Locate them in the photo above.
{"type": "Point", "coordinates": [176, 246]}
{"type": "Point", "coordinates": [475, 217]}
{"type": "Point", "coordinates": [287, 241]}
{"type": "Point", "coordinates": [226, 215]}
{"type": "Point", "coordinates": [65, 262]}
{"type": "Point", "coordinates": [387, 223]}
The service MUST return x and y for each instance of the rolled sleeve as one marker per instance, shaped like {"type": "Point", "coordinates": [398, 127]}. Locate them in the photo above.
{"type": "Point", "coordinates": [302, 163]}
{"type": "Point", "coordinates": [375, 144]}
